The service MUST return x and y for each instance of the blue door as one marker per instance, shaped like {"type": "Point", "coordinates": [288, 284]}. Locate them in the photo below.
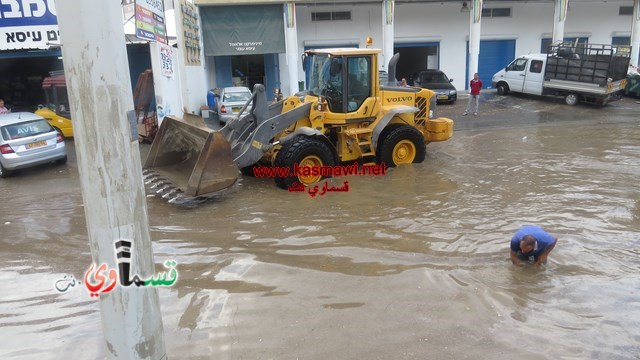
{"type": "Point", "coordinates": [494, 56]}
{"type": "Point", "coordinates": [271, 74]}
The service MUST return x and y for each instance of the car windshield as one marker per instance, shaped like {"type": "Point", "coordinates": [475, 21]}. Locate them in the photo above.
{"type": "Point", "coordinates": [236, 97]}
{"type": "Point", "coordinates": [25, 129]}
{"type": "Point", "coordinates": [433, 77]}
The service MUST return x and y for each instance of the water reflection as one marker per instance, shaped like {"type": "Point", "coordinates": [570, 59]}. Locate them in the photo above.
{"type": "Point", "coordinates": [410, 265]}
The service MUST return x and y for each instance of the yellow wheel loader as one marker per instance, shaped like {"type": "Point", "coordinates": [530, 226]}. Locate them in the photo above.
{"type": "Point", "coordinates": [345, 115]}
{"type": "Point", "coordinates": [56, 110]}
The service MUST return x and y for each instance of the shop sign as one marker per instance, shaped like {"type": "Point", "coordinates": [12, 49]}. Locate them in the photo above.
{"type": "Point", "coordinates": [28, 24]}
{"type": "Point", "coordinates": [150, 21]}
{"type": "Point", "coordinates": [166, 60]}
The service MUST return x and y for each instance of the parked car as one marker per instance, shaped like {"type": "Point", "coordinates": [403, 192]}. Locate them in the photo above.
{"type": "Point", "coordinates": [28, 140]}
{"type": "Point", "coordinates": [437, 81]}
{"type": "Point", "coordinates": [230, 102]}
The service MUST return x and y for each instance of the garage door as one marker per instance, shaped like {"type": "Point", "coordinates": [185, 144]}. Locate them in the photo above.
{"type": "Point", "coordinates": [415, 57]}
{"type": "Point", "coordinates": [494, 56]}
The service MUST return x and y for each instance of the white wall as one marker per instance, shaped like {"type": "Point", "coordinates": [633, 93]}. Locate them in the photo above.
{"type": "Point", "coordinates": [193, 81]}
{"type": "Point", "coordinates": [440, 22]}
{"type": "Point", "coordinates": [600, 19]}
{"type": "Point", "coordinates": [527, 25]}
{"type": "Point", "coordinates": [444, 23]}
{"type": "Point", "coordinates": [167, 89]}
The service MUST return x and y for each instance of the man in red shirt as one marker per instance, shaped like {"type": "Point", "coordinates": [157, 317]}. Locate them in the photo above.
{"type": "Point", "coordinates": [474, 96]}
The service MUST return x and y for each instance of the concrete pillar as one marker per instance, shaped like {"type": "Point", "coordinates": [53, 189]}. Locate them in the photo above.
{"type": "Point", "coordinates": [559, 16]}
{"type": "Point", "coordinates": [115, 205]}
{"type": "Point", "coordinates": [291, 43]}
{"type": "Point", "coordinates": [388, 14]}
{"type": "Point", "coordinates": [635, 33]}
{"type": "Point", "coordinates": [474, 37]}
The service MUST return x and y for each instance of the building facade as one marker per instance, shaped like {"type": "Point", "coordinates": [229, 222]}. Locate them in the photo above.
{"type": "Point", "coordinates": [427, 34]}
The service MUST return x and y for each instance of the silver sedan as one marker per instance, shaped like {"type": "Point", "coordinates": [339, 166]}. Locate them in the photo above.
{"type": "Point", "coordinates": [230, 102]}
{"type": "Point", "coordinates": [27, 140]}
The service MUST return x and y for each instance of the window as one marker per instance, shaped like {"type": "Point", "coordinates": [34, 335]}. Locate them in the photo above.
{"type": "Point", "coordinates": [236, 97]}
{"type": "Point", "coordinates": [31, 128]}
{"type": "Point", "coordinates": [621, 40]}
{"type": "Point", "coordinates": [341, 15]}
{"type": "Point", "coordinates": [536, 66]}
{"type": "Point", "coordinates": [496, 12]}
{"type": "Point", "coordinates": [625, 10]}
{"type": "Point", "coordinates": [544, 45]}
{"type": "Point", "coordinates": [331, 15]}
{"type": "Point", "coordinates": [359, 81]}
{"type": "Point", "coordinates": [517, 65]}
{"type": "Point", "coordinates": [320, 16]}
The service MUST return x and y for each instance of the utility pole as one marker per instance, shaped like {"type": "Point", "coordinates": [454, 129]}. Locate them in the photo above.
{"type": "Point", "coordinates": [635, 34]}
{"type": "Point", "coordinates": [99, 87]}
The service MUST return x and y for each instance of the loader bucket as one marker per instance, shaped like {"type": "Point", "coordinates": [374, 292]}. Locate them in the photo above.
{"type": "Point", "coordinates": [194, 159]}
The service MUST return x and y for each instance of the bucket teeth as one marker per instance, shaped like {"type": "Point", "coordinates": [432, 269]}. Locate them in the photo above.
{"type": "Point", "coordinates": [151, 178]}
{"type": "Point", "coordinates": [163, 188]}
{"type": "Point", "coordinates": [170, 194]}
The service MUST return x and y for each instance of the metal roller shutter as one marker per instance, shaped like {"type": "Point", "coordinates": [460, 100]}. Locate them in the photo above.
{"type": "Point", "coordinates": [494, 56]}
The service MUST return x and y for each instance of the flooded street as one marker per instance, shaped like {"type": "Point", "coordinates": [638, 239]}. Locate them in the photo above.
{"type": "Point", "coordinates": [411, 265]}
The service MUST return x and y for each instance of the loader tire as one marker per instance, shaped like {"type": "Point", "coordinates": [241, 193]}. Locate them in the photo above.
{"type": "Point", "coordinates": [402, 145]}
{"type": "Point", "coordinates": [304, 151]}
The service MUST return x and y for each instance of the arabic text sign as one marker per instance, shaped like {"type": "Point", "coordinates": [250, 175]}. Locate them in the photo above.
{"type": "Point", "coordinates": [150, 24]}
{"type": "Point", "coordinates": [27, 24]}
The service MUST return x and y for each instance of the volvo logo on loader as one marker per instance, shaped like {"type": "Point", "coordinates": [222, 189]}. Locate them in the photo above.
{"type": "Point", "coordinates": [400, 99]}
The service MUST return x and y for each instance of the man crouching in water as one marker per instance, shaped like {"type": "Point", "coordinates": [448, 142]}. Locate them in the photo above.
{"type": "Point", "coordinates": [531, 242]}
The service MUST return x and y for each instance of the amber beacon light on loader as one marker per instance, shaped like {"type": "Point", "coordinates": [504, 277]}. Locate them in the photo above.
{"type": "Point", "coordinates": [344, 115]}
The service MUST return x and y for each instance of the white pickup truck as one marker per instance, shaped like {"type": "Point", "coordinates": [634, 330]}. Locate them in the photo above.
{"type": "Point", "coordinates": [583, 72]}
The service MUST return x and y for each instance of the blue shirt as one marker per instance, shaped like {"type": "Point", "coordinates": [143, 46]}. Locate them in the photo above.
{"type": "Point", "coordinates": [543, 239]}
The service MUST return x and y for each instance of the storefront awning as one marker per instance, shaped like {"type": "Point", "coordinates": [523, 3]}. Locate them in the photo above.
{"type": "Point", "coordinates": [242, 30]}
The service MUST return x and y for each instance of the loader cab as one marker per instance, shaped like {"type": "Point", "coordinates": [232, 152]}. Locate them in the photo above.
{"type": "Point", "coordinates": [56, 108]}
{"type": "Point", "coordinates": [345, 80]}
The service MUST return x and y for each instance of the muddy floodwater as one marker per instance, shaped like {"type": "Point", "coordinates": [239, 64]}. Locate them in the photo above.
{"type": "Point", "coordinates": [410, 265]}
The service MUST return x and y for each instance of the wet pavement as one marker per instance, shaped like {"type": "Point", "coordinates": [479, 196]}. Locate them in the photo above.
{"type": "Point", "coordinates": [411, 265]}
